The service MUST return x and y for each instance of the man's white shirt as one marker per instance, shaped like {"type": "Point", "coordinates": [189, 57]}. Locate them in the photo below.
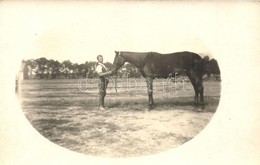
{"type": "Point", "coordinates": [99, 67]}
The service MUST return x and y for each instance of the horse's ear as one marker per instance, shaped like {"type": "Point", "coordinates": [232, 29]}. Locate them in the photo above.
{"type": "Point", "coordinates": [116, 53]}
{"type": "Point", "coordinates": [206, 58]}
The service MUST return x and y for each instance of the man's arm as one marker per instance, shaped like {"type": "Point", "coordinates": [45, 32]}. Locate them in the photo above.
{"type": "Point", "coordinates": [105, 74]}
{"type": "Point", "coordinates": [101, 74]}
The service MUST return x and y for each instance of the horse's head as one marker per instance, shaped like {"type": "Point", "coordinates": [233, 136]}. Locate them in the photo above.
{"type": "Point", "coordinates": [119, 61]}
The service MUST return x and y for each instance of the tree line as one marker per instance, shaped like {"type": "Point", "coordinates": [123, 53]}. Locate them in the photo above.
{"type": "Point", "coordinates": [42, 68]}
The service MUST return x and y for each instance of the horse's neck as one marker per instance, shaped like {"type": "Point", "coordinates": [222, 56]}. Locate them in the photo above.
{"type": "Point", "coordinates": [136, 59]}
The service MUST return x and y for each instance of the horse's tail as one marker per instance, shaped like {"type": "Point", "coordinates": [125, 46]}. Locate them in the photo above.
{"type": "Point", "coordinates": [205, 61]}
{"type": "Point", "coordinates": [200, 64]}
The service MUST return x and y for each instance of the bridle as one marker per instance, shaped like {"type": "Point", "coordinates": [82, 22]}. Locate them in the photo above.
{"type": "Point", "coordinates": [119, 55]}
{"type": "Point", "coordinates": [114, 79]}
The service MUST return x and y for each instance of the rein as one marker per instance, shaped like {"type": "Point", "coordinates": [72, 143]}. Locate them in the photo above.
{"type": "Point", "coordinates": [114, 80]}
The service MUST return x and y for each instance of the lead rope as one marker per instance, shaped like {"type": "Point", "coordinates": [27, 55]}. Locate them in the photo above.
{"type": "Point", "coordinates": [115, 83]}
{"type": "Point", "coordinates": [114, 79]}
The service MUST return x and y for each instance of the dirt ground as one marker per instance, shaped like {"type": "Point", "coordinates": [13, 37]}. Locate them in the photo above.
{"type": "Point", "coordinates": [67, 115]}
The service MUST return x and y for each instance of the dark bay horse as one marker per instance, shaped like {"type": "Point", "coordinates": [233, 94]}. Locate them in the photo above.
{"type": "Point", "coordinates": [152, 65]}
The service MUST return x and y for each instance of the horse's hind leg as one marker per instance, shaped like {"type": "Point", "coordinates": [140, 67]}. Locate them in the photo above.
{"type": "Point", "coordinates": [194, 82]}
{"type": "Point", "coordinates": [201, 90]}
{"type": "Point", "coordinates": [149, 82]}
{"type": "Point", "coordinates": [196, 98]}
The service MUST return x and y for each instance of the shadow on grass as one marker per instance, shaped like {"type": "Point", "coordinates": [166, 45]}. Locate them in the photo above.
{"type": "Point", "coordinates": [51, 121]}
{"type": "Point", "coordinates": [180, 138]}
{"type": "Point", "coordinates": [51, 128]}
{"type": "Point", "coordinates": [46, 125]}
{"type": "Point", "coordinates": [183, 103]}
{"type": "Point", "coordinates": [70, 129]}
{"type": "Point", "coordinates": [131, 103]}
{"type": "Point", "coordinates": [187, 103]}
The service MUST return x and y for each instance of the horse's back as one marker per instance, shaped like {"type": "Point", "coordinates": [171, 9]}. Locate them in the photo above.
{"type": "Point", "coordinates": [176, 55]}
{"type": "Point", "coordinates": [178, 58]}
{"type": "Point", "coordinates": [164, 64]}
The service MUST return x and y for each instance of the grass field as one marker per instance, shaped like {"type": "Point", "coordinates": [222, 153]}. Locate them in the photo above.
{"type": "Point", "coordinates": [66, 112]}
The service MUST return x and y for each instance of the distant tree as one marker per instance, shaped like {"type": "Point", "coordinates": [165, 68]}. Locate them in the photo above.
{"type": "Point", "coordinates": [74, 70]}
{"type": "Point", "coordinates": [25, 69]}
{"type": "Point", "coordinates": [41, 69]}
{"type": "Point", "coordinates": [91, 67]}
{"type": "Point", "coordinates": [66, 69]}
{"type": "Point", "coordinates": [81, 70]}
{"type": "Point", "coordinates": [78, 70]}
{"type": "Point", "coordinates": [53, 69]}
{"type": "Point", "coordinates": [56, 69]}
{"type": "Point", "coordinates": [86, 66]}
{"type": "Point", "coordinates": [32, 67]}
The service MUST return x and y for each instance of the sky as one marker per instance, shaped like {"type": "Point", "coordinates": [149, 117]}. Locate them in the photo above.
{"type": "Point", "coordinates": [79, 31]}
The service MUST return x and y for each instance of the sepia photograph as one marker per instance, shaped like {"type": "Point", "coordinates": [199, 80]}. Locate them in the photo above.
{"type": "Point", "coordinates": [89, 109]}
{"type": "Point", "coordinates": [129, 82]}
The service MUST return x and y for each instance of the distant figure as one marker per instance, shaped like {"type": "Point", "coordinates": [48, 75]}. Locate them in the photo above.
{"type": "Point", "coordinates": [103, 74]}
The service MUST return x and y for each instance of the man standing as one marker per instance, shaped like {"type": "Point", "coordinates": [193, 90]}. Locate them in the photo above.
{"type": "Point", "coordinates": [103, 74]}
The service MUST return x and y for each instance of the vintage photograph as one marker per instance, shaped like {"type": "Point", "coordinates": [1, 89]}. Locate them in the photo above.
{"type": "Point", "coordinates": [153, 103]}
{"type": "Point", "coordinates": [101, 86]}
{"type": "Point", "coordinates": [144, 82]}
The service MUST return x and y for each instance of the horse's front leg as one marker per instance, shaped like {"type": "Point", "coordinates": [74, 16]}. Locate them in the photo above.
{"type": "Point", "coordinates": [149, 82]}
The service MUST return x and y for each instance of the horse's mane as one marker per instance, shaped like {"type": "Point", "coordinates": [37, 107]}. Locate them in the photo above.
{"type": "Point", "coordinates": [135, 58]}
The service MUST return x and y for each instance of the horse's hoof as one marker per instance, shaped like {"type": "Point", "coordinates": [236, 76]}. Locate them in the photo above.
{"type": "Point", "coordinates": [200, 108]}
{"type": "Point", "coordinates": [149, 108]}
